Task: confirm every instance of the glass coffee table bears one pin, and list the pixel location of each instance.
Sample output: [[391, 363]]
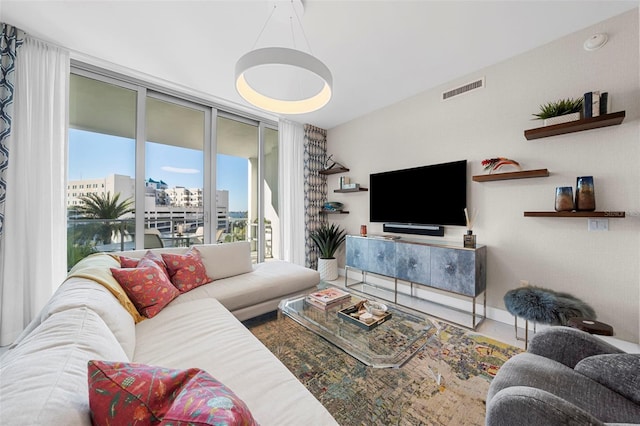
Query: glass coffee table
[[390, 344]]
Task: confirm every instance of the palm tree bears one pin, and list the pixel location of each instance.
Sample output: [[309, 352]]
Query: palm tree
[[104, 206], [99, 206]]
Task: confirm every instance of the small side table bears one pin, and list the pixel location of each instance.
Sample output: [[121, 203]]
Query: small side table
[[590, 326]]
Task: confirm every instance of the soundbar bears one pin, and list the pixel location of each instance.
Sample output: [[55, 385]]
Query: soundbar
[[408, 228]]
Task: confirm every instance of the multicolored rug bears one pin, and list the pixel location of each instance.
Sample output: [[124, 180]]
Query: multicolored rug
[[445, 383]]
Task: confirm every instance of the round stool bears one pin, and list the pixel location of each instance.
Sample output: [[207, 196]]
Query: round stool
[[545, 306], [590, 326]]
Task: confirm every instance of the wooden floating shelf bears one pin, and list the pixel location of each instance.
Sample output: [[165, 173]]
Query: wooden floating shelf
[[333, 171], [512, 175], [576, 126], [351, 190], [334, 211], [607, 214]]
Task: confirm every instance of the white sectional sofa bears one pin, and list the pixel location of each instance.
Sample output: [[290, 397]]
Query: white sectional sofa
[[43, 376]]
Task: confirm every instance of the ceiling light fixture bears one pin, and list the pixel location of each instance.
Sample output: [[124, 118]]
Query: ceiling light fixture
[[311, 97]]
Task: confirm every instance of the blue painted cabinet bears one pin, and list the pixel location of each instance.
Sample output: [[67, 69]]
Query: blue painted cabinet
[[413, 263], [381, 257], [357, 252], [446, 267]]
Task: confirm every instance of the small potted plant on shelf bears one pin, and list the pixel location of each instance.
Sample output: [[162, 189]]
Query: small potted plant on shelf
[[328, 239], [561, 111]]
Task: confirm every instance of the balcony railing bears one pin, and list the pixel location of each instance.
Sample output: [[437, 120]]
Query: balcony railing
[[87, 236]]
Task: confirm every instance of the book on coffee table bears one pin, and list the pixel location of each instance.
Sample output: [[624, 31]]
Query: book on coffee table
[[324, 307], [328, 297]]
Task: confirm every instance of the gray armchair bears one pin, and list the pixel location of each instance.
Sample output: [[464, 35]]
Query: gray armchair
[[566, 377]]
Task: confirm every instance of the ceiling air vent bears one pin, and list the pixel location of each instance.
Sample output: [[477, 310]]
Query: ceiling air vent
[[465, 88]]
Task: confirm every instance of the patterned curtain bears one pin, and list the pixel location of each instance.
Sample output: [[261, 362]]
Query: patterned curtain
[[315, 187], [11, 39]]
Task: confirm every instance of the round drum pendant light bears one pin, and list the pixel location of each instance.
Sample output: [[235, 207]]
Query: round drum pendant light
[[289, 57]]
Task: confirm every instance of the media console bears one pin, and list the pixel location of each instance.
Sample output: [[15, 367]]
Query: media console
[[443, 265]]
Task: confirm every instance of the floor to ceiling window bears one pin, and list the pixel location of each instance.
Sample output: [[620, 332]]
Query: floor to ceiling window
[[101, 167], [151, 170], [174, 172]]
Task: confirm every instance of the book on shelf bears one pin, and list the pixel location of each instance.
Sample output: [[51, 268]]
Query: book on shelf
[[605, 106], [329, 296], [595, 104], [591, 104]]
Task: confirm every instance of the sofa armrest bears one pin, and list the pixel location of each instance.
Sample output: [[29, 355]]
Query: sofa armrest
[[568, 345], [523, 405], [618, 372]]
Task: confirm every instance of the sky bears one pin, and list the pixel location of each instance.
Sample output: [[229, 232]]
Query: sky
[[95, 156]]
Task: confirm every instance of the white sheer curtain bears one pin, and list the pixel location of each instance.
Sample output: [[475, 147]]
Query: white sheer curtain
[[33, 248], [291, 188]]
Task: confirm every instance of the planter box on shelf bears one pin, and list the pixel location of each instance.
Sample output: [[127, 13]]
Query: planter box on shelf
[[574, 116]]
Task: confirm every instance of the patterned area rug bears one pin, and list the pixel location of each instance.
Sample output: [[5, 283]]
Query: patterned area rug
[[445, 383]]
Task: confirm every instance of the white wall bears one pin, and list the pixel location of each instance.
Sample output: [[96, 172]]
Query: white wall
[[602, 268]]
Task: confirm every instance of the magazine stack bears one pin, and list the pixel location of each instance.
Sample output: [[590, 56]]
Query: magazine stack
[[328, 298]]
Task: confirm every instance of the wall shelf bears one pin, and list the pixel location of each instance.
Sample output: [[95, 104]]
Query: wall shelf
[[333, 171], [576, 126], [351, 190], [523, 174], [607, 214], [334, 211]]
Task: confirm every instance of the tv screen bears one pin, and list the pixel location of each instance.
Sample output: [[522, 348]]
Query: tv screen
[[428, 195]]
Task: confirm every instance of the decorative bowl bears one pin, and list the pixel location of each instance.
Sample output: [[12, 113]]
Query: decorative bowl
[[333, 206], [375, 308]]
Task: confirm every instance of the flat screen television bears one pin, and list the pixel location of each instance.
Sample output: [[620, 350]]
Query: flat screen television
[[428, 195]]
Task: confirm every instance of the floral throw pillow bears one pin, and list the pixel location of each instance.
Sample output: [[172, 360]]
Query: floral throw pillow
[[186, 270], [147, 285], [130, 393]]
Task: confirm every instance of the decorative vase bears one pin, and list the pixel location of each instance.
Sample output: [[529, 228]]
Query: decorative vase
[[574, 116], [328, 269], [585, 195], [564, 199]]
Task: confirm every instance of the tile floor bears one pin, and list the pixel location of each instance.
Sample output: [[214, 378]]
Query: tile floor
[[491, 328]]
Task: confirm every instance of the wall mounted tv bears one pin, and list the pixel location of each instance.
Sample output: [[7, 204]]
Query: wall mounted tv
[[428, 195]]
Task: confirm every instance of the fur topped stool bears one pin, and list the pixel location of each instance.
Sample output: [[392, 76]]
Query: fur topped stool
[[541, 305]]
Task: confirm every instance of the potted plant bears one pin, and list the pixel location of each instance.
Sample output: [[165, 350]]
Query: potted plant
[[561, 111], [328, 239]]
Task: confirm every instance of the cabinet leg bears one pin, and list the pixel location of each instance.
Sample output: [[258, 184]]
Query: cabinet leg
[[473, 314], [395, 291]]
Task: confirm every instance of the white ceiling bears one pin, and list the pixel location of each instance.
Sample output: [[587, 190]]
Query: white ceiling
[[379, 52]]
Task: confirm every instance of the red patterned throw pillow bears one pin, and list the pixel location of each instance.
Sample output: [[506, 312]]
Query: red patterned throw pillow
[[131, 262], [129, 393], [186, 270], [147, 285]]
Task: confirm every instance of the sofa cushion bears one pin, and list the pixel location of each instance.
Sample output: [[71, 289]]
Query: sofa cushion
[[96, 267], [147, 285], [620, 372], [270, 280], [81, 292], [121, 392], [44, 378], [226, 260], [219, 344], [186, 271]]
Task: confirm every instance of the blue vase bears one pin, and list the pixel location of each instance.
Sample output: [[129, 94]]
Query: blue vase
[[585, 195]]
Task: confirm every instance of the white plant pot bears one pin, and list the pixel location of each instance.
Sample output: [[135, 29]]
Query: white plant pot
[[561, 119], [328, 269]]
